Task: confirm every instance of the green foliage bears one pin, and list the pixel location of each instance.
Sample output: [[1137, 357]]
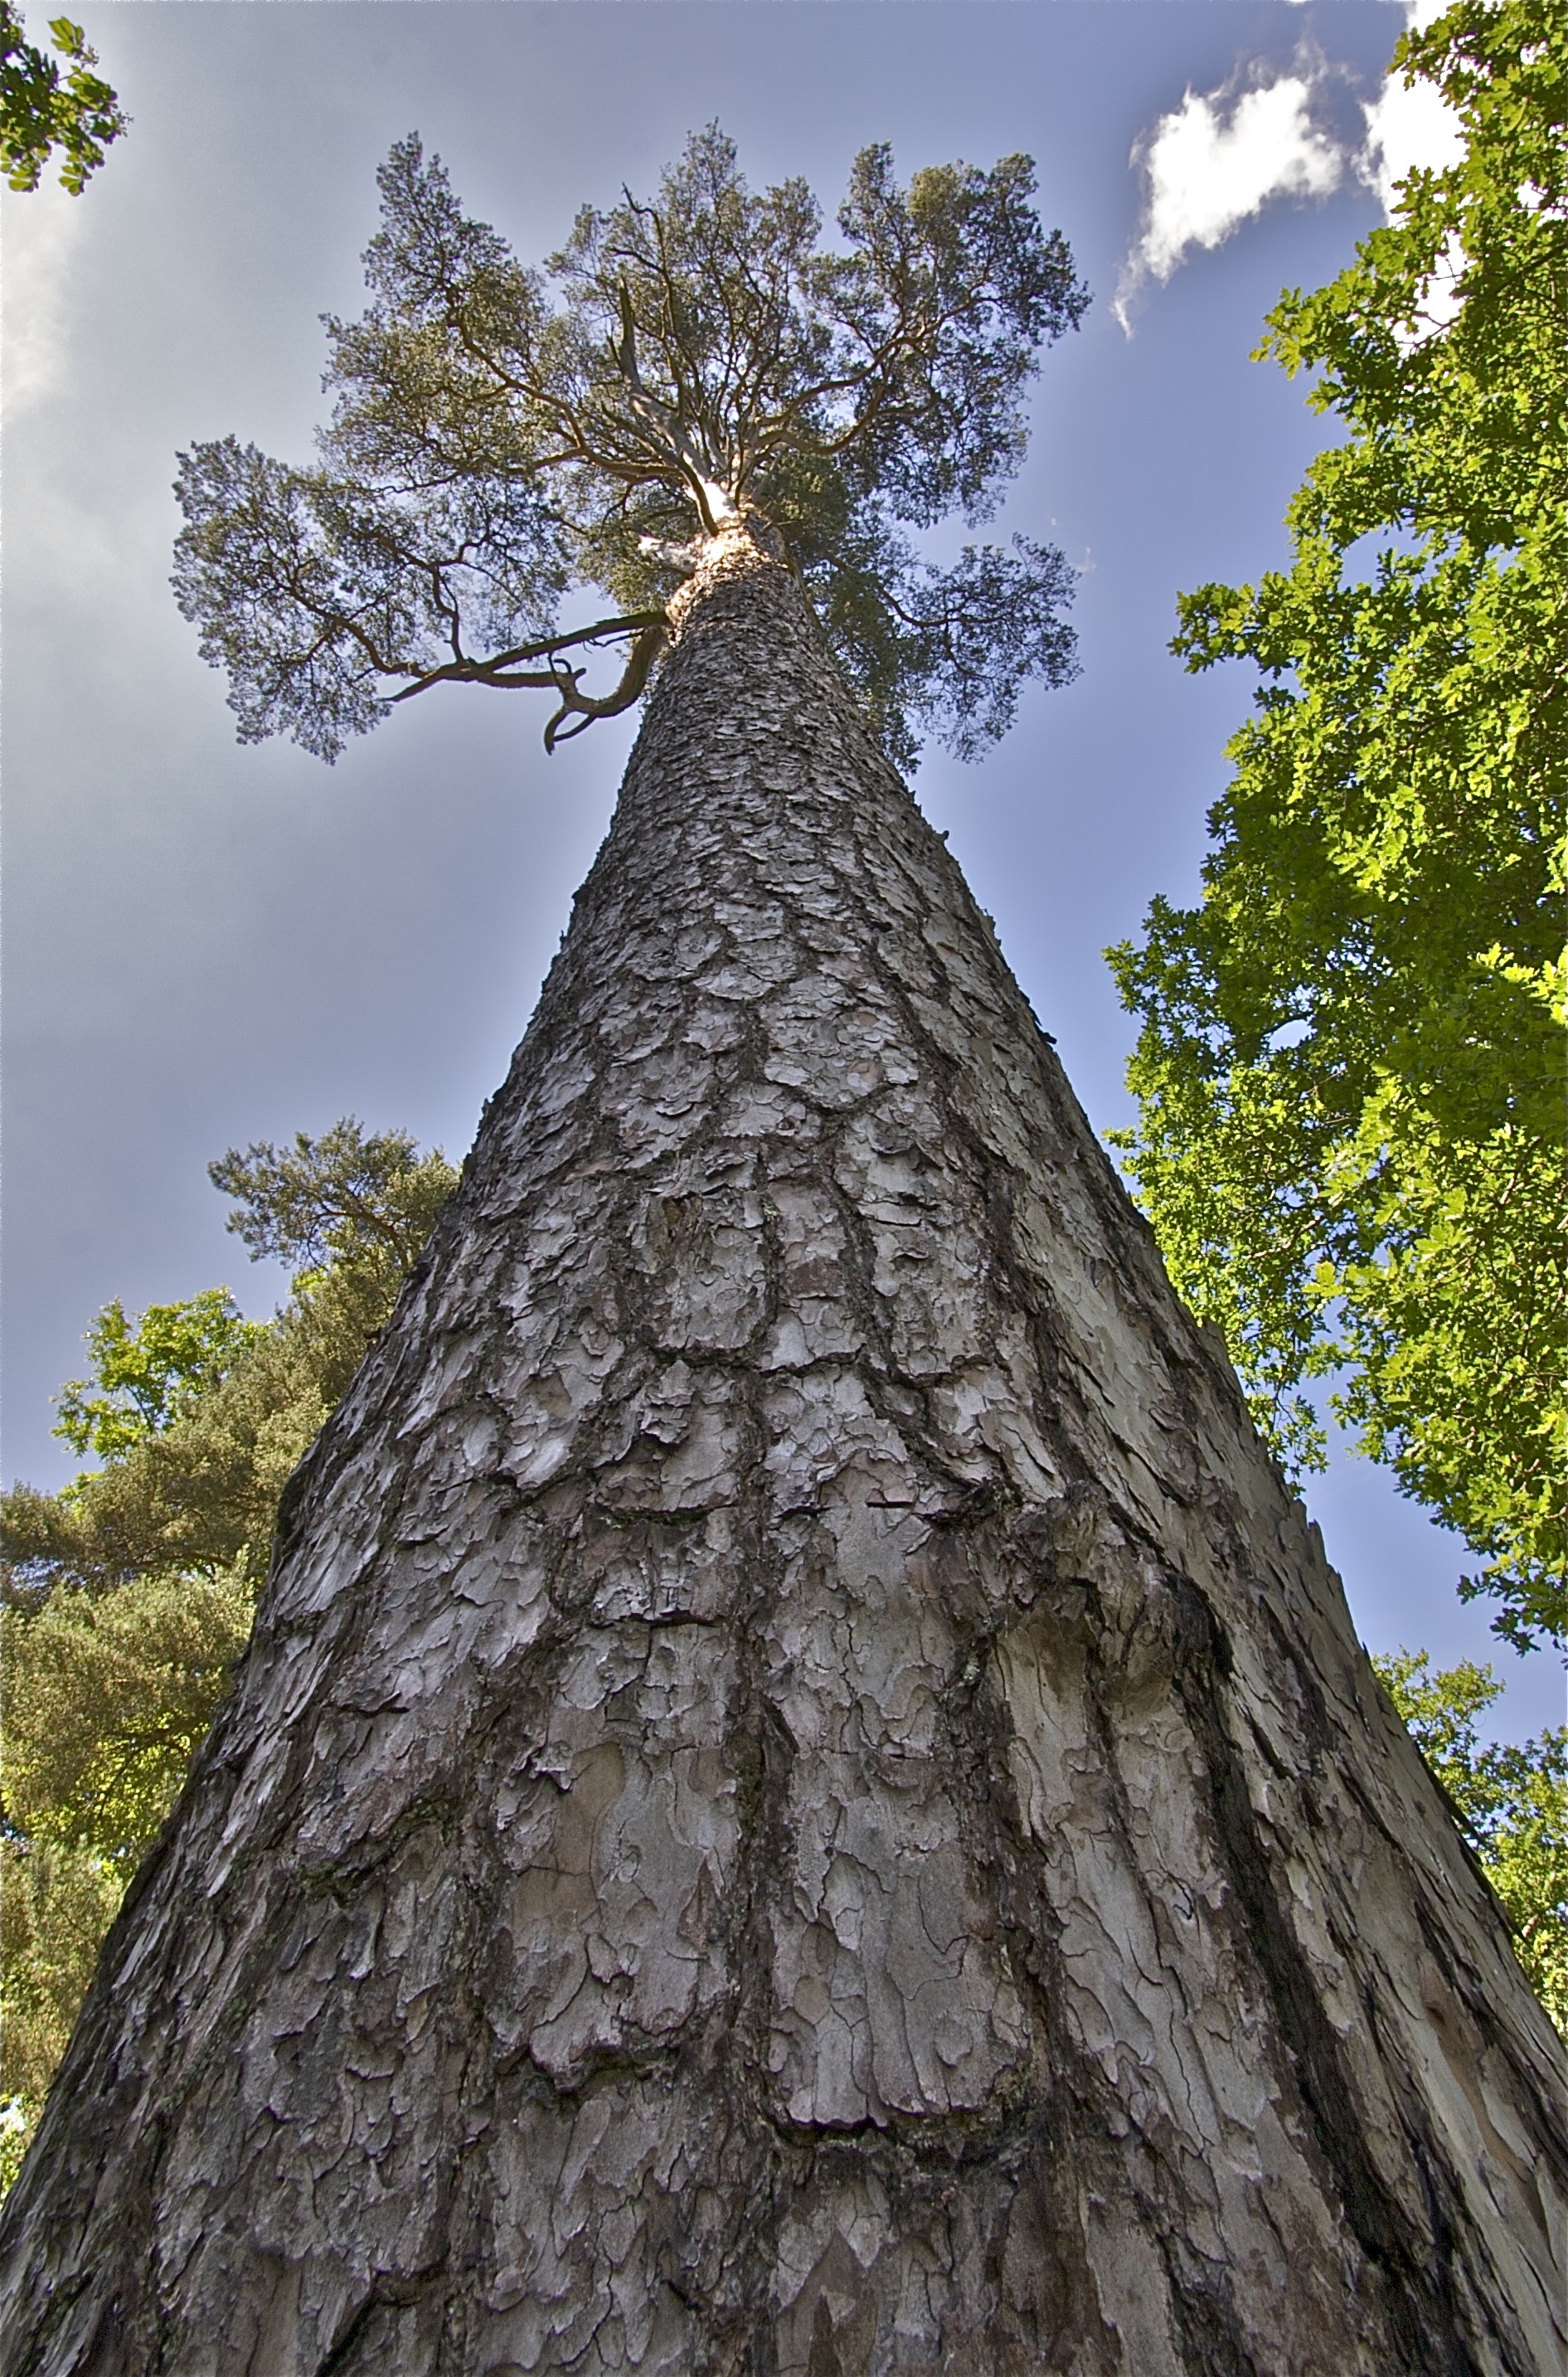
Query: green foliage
[[198, 1498], [40, 114], [1512, 1803], [191, 1490], [18, 2114], [55, 1905], [128, 1597], [344, 1199], [500, 435], [107, 1698], [1350, 1139], [150, 1374]]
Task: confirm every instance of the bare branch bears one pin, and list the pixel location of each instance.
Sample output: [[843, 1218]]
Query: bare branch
[[488, 672], [639, 665]]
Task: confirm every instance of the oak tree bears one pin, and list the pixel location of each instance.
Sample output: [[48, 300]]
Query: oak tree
[[1350, 1075]]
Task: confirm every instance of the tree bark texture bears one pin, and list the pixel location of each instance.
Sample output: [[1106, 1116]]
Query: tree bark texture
[[803, 1801]]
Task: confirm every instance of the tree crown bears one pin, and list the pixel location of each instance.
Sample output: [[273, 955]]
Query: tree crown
[[501, 436], [352, 1197]]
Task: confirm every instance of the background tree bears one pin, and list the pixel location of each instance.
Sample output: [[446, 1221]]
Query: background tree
[[1350, 1139], [128, 1597], [149, 1375], [40, 114], [501, 437]]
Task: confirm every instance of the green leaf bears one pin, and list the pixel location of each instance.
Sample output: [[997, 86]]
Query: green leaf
[[39, 113]]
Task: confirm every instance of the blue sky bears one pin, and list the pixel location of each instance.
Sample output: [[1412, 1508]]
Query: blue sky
[[206, 945]]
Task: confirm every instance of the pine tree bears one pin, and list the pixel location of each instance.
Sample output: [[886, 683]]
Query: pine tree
[[803, 1799]]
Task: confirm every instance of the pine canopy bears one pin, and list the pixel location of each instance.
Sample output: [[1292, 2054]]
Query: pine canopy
[[507, 442]]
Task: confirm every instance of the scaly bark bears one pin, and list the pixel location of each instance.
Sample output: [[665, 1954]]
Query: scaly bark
[[803, 1800]]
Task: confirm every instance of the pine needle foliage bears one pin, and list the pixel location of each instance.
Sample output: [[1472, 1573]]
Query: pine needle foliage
[[504, 438]]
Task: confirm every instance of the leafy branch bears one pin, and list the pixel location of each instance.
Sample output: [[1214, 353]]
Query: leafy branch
[[41, 113]]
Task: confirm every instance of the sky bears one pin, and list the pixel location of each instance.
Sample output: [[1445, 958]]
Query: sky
[[206, 945]]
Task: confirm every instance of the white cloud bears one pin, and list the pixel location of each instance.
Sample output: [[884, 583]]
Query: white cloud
[[42, 231], [1217, 160], [1409, 128]]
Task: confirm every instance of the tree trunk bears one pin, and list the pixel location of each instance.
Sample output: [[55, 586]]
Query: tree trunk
[[803, 1800]]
